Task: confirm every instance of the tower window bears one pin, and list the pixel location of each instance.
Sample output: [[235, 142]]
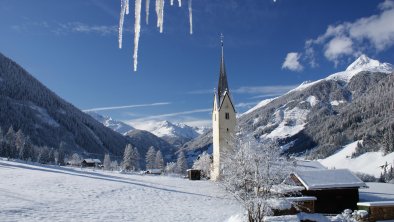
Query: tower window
[[227, 115]]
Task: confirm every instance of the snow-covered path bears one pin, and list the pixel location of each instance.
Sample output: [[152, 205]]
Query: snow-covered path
[[42, 193]]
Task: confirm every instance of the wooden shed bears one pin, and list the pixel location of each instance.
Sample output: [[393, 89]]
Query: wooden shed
[[378, 210], [335, 190], [194, 174], [91, 163]]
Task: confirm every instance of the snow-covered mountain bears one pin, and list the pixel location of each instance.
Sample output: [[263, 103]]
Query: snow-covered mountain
[[174, 133], [318, 118], [115, 125]]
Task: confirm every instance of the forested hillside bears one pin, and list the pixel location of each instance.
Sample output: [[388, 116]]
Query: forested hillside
[[29, 106]]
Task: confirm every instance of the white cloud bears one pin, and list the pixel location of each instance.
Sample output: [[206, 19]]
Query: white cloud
[[338, 47], [125, 107], [373, 33], [292, 62]]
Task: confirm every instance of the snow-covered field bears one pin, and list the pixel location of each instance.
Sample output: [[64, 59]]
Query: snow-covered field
[[368, 163], [51, 193]]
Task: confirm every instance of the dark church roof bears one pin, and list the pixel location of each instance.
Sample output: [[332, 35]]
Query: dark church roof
[[223, 84]]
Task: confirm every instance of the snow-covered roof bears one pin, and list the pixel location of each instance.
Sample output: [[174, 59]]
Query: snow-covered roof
[[376, 203], [307, 165], [92, 160], [299, 199], [324, 179], [285, 188]]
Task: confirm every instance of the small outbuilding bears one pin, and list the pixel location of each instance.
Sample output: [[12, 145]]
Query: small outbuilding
[[91, 163], [335, 190], [194, 174]]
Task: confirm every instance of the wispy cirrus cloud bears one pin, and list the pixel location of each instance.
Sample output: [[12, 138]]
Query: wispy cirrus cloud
[[374, 33], [274, 89], [126, 107], [264, 91], [186, 117], [68, 28]]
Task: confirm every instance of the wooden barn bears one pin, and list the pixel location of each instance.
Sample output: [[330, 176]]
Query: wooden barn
[[91, 163], [335, 190]]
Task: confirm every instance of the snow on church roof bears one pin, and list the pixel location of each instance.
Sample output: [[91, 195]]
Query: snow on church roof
[[323, 179]]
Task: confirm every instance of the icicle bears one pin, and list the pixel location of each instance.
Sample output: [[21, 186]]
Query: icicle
[[161, 15], [190, 17], [137, 29], [127, 7], [147, 3], [123, 8], [157, 7], [180, 3]]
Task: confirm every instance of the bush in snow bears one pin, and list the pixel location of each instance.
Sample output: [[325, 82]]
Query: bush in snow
[[170, 168], [250, 170], [351, 216], [203, 163], [366, 177]]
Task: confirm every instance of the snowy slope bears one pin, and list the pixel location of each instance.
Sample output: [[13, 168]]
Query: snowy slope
[[368, 163], [361, 64], [43, 193], [115, 125], [258, 106]]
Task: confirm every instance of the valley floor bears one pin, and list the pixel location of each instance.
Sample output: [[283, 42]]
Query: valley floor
[[50, 193]]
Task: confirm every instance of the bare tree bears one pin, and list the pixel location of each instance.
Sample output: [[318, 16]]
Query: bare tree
[[250, 170], [203, 163]]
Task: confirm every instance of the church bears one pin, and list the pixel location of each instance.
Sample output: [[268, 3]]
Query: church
[[223, 119]]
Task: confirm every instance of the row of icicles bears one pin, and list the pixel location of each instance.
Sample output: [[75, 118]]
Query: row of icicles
[[124, 10]]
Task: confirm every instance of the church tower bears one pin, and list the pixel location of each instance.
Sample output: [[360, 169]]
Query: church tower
[[223, 119]]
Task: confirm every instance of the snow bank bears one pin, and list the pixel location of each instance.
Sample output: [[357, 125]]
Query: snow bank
[[368, 163]]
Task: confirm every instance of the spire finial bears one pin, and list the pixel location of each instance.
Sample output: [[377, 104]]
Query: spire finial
[[221, 38]]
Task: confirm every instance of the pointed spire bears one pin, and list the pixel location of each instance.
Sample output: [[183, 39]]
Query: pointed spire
[[223, 85]]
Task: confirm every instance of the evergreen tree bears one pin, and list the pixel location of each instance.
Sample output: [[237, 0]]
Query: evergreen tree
[[159, 161], [20, 141], [43, 155], [150, 158], [181, 164], [10, 149], [127, 163], [137, 158], [114, 165], [107, 162], [60, 154]]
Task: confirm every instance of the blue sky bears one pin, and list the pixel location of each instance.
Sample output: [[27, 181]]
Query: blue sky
[[270, 48]]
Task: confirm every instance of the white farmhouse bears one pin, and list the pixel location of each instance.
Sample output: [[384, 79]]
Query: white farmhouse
[[223, 119]]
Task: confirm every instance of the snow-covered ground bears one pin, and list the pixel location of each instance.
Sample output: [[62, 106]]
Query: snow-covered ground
[[51, 193], [368, 163]]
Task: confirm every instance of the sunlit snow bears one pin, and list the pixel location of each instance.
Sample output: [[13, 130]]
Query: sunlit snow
[[51, 193]]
